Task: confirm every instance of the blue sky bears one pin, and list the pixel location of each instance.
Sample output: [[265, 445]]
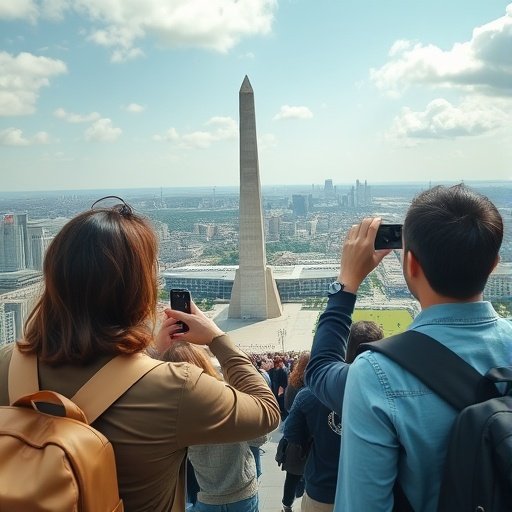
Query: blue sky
[[132, 93]]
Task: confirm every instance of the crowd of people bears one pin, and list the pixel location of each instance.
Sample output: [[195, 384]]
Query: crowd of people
[[365, 423]]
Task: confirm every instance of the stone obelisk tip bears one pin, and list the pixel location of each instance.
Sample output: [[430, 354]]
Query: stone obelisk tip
[[246, 85]]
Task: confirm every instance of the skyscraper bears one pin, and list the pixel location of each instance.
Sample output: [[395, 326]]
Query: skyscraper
[[15, 253], [254, 293]]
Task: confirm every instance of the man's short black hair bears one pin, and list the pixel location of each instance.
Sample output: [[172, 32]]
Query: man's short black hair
[[455, 233]]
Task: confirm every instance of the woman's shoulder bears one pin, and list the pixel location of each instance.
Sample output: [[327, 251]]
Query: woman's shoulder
[[5, 359]]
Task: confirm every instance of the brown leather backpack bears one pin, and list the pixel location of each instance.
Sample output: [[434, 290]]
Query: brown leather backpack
[[51, 463]]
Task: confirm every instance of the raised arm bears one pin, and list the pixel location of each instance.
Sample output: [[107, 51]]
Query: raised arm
[[326, 373]]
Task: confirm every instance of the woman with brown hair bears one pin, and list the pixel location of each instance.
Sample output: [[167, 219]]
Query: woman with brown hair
[[99, 301]]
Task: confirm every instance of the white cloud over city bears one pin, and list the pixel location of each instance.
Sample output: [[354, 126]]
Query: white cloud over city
[[15, 137], [102, 130], [121, 26], [220, 128], [288, 112], [478, 70], [21, 78], [442, 120], [483, 64], [71, 117]]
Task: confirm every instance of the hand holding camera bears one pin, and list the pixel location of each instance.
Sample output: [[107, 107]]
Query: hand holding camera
[[359, 255]]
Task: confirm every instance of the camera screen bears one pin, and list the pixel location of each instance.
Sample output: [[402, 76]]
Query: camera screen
[[389, 236]]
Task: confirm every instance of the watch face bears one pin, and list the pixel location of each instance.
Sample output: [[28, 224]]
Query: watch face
[[335, 287]]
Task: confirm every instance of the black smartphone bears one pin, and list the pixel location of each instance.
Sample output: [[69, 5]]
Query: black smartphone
[[389, 236], [180, 300]]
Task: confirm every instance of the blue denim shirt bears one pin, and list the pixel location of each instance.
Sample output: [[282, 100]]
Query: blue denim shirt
[[394, 426]]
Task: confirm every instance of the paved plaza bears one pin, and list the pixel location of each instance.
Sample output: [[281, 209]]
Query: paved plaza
[[291, 331]]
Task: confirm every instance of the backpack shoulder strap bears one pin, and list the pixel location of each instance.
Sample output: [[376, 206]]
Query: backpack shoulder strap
[[22, 376], [108, 384], [111, 381], [438, 367]]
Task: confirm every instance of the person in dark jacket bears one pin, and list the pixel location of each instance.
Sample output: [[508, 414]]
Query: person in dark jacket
[[310, 419], [279, 381], [293, 484]]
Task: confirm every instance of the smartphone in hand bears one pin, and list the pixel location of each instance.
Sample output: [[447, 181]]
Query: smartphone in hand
[[389, 236], [180, 300]]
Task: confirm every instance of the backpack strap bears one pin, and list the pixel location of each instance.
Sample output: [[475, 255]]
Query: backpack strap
[[108, 384], [23, 376], [438, 367], [111, 381]]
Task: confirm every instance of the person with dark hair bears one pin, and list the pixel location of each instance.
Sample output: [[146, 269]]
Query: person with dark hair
[[279, 380], [364, 331], [99, 301], [263, 372], [395, 429]]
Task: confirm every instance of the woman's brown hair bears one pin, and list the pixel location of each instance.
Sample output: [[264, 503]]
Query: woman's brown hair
[[296, 378], [184, 352], [100, 289]]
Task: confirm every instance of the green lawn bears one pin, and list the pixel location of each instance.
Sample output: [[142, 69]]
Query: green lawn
[[393, 321]]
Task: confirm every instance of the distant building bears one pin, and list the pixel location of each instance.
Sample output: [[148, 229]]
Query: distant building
[[329, 190], [40, 239], [15, 251], [7, 326], [293, 282], [300, 204], [274, 223]]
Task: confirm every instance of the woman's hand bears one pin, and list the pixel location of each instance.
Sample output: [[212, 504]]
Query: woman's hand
[[201, 329]]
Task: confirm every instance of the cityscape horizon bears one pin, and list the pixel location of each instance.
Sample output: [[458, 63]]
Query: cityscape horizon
[[266, 187], [198, 234]]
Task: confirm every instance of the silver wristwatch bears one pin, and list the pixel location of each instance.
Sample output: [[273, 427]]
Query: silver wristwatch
[[335, 287]]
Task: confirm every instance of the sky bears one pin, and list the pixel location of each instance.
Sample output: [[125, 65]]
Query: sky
[[98, 94]]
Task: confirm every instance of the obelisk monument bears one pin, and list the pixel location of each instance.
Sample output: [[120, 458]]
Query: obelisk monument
[[254, 293]]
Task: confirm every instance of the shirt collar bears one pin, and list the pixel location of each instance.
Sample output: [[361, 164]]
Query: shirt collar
[[458, 312]]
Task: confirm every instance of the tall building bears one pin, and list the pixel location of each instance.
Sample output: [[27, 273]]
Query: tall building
[[300, 204], [254, 293], [15, 253], [39, 241], [7, 326]]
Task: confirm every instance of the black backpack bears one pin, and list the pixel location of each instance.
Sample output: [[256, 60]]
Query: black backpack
[[477, 473]]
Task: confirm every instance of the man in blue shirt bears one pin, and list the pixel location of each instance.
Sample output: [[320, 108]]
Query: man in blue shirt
[[394, 427]]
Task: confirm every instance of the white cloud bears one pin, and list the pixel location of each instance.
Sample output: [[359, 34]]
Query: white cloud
[[121, 25], [55, 9], [288, 112], [222, 128], [135, 108], [15, 137], [442, 120], [70, 117], [102, 131], [18, 9], [214, 24], [31, 10], [482, 64], [21, 78]]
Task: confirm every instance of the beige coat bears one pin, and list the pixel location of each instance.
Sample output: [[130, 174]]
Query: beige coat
[[173, 406]]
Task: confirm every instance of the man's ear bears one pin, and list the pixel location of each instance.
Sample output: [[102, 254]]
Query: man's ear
[[495, 264], [412, 266]]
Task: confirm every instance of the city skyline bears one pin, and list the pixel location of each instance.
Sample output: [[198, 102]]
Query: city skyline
[[101, 94]]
